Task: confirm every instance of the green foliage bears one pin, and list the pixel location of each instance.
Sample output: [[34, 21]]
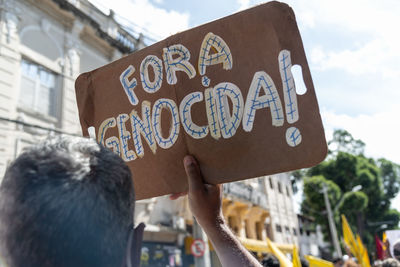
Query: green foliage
[[313, 202], [343, 141], [346, 167], [352, 204], [390, 173], [313, 192]]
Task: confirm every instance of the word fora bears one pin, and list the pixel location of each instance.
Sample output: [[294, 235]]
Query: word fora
[[221, 120]]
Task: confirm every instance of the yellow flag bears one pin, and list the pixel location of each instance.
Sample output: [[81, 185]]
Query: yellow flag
[[349, 237], [317, 262], [363, 253], [360, 247], [366, 259], [296, 259], [384, 239], [284, 262]]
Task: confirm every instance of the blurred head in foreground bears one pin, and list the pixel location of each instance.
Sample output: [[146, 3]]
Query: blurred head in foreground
[[270, 261], [390, 262], [396, 250], [66, 202]]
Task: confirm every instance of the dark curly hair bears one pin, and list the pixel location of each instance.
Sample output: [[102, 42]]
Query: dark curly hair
[[66, 202]]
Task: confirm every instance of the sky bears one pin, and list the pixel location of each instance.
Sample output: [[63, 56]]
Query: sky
[[352, 47]]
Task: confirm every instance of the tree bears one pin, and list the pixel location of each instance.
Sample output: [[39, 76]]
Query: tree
[[313, 201], [343, 141], [346, 167], [390, 173]]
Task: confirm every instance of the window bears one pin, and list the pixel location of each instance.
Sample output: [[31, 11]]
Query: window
[[279, 187], [287, 191], [294, 231], [246, 228], [259, 230], [268, 228], [38, 88], [278, 228], [271, 185]]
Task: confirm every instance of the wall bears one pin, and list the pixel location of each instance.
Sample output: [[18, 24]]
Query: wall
[[49, 34]]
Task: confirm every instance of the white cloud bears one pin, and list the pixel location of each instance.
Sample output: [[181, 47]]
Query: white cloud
[[376, 21], [375, 57], [379, 131], [159, 22], [379, 17], [243, 4]]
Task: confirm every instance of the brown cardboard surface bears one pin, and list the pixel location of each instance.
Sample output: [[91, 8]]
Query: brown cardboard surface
[[255, 39]]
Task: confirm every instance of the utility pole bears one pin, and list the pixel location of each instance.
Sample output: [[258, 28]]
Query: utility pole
[[332, 225], [198, 233]]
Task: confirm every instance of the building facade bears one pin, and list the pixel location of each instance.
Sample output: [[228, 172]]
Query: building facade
[[311, 239], [44, 46], [309, 236], [255, 209], [283, 224]]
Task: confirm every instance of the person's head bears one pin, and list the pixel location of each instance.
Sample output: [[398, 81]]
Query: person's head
[[270, 261], [304, 262], [338, 262], [66, 202], [390, 262], [396, 250]]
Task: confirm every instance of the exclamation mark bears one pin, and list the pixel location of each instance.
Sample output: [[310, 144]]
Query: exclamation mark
[[293, 135]]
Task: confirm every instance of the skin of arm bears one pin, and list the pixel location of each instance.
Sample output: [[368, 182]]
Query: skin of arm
[[205, 201]]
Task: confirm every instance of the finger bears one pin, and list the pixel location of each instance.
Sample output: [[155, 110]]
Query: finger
[[192, 170], [213, 189], [177, 195]]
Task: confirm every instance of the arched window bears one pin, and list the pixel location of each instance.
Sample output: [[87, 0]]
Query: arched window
[[38, 91], [40, 86]]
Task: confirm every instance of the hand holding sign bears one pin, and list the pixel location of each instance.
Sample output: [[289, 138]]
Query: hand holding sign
[[223, 92], [205, 200]]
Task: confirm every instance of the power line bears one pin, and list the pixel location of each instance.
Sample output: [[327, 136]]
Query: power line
[[55, 130]]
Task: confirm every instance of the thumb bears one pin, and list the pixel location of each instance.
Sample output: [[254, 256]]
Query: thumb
[[192, 170]]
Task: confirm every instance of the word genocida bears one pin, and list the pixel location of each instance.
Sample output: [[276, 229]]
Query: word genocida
[[222, 122]]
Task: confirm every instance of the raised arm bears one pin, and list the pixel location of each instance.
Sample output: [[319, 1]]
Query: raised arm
[[205, 201]]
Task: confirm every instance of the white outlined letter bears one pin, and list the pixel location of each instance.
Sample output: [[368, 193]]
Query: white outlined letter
[[129, 85], [195, 131], [181, 63], [142, 127], [158, 106], [156, 64], [228, 123], [254, 101], [223, 53]]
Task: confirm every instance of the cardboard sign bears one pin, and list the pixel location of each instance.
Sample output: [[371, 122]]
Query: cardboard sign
[[223, 92]]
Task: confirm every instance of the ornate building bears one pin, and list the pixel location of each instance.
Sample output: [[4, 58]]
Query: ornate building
[[255, 210], [44, 46]]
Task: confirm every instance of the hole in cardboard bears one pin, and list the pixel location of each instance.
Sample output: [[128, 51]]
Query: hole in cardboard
[[297, 73]]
